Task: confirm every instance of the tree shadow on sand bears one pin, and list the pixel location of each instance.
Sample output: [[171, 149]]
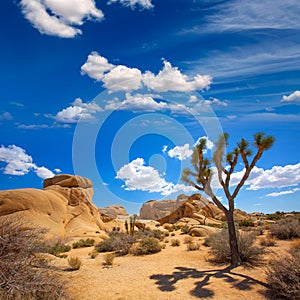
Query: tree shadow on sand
[[166, 283]]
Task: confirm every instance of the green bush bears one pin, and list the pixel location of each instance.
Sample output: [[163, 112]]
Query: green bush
[[83, 243], [185, 229], [148, 245], [58, 248], [286, 229], [220, 248], [246, 223], [283, 276], [105, 245]]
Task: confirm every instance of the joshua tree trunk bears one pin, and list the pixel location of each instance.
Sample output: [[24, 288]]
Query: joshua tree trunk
[[235, 257]]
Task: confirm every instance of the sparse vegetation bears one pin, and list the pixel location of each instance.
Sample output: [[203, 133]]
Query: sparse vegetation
[[109, 259], [58, 248], [246, 223], [267, 241], [24, 271], [283, 276], [175, 243], [83, 243], [192, 246], [185, 229], [188, 239], [148, 245], [286, 229], [74, 263], [220, 249]]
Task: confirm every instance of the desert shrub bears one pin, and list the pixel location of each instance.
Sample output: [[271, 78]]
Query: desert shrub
[[220, 248], [295, 247], [267, 241], [283, 276], [167, 233], [109, 259], [187, 240], [120, 242], [58, 248], [148, 245], [185, 229], [246, 223], [166, 241], [286, 229], [176, 227], [93, 254], [147, 232], [173, 234], [175, 243], [83, 243], [192, 246], [24, 271], [74, 263], [275, 217]]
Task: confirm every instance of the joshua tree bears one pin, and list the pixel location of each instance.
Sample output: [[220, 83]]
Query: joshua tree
[[201, 176]]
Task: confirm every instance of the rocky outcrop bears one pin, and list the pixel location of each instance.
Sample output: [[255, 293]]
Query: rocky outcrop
[[195, 207], [157, 209], [64, 206], [112, 212]]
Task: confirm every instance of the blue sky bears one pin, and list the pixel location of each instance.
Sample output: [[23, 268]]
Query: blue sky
[[120, 91]]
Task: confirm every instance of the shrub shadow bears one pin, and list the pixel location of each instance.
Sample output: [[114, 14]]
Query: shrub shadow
[[166, 282]]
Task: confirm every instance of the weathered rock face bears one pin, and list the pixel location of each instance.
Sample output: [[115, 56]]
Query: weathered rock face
[[112, 212], [64, 206], [196, 207], [157, 209]]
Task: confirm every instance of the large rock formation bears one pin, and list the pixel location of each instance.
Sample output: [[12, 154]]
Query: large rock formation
[[112, 212], [64, 206], [196, 207], [157, 209]]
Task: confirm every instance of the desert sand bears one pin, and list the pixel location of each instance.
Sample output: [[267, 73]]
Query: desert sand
[[173, 273]]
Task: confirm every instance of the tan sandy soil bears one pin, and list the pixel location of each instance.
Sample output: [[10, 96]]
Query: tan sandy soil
[[174, 273]]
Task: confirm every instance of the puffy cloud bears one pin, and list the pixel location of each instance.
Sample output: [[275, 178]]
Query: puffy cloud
[[6, 116], [137, 176], [78, 111], [146, 4], [19, 163], [135, 103], [95, 66], [57, 170], [278, 194], [122, 78], [171, 79], [292, 98], [277, 177], [181, 152], [59, 18]]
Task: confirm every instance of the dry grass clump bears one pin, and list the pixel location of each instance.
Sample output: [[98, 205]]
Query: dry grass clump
[[175, 243], [267, 241], [109, 259], [187, 240], [148, 245], [250, 254], [283, 276], [286, 229], [192, 246], [74, 263], [24, 273]]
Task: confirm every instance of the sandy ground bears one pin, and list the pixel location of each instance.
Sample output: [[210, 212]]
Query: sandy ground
[[174, 273]]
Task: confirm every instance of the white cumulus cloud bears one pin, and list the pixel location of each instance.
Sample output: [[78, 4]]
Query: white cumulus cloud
[[123, 78], [137, 176], [171, 79], [292, 98], [60, 18], [276, 177], [180, 152], [77, 111], [136, 103], [144, 4], [19, 163]]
